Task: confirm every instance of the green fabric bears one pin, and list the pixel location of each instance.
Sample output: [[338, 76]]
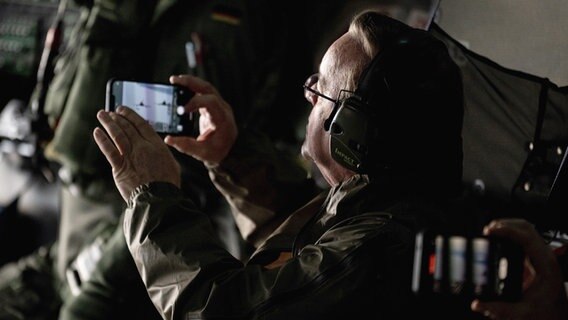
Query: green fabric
[[114, 291], [352, 260], [244, 56], [255, 164], [29, 287], [109, 47], [240, 57], [65, 69]]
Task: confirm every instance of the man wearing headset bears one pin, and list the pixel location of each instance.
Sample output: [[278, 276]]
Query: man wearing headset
[[385, 132]]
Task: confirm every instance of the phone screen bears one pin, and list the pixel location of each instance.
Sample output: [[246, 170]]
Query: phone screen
[[162, 105]]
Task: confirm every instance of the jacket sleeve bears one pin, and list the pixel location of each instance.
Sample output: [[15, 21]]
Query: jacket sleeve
[[261, 184], [188, 274]]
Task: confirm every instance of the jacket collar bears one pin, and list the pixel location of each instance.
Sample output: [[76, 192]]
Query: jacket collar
[[342, 195], [313, 218]]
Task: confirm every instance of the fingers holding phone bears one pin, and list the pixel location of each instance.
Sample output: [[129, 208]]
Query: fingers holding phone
[[133, 140], [217, 126], [135, 151], [544, 296]]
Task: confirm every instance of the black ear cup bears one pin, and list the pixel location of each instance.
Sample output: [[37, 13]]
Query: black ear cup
[[354, 122], [348, 130]]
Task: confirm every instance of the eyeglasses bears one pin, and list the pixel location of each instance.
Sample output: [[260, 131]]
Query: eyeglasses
[[309, 91]]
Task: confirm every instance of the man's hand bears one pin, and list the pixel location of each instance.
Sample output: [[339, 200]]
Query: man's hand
[[217, 127], [135, 151], [544, 296]]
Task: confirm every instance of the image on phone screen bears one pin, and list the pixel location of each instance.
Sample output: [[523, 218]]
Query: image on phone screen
[[160, 104]]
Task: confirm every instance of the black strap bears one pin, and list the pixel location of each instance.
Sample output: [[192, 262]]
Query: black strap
[[542, 102]]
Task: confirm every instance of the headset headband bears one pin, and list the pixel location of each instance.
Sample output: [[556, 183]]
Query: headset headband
[[352, 123]]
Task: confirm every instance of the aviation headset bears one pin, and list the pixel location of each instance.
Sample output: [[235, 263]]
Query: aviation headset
[[354, 122]]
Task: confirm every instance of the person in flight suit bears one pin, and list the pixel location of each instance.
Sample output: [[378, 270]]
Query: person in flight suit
[[229, 41], [385, 92]]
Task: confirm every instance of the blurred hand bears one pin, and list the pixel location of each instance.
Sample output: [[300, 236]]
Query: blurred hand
[[545, 296], [135, 151], [217, 127]]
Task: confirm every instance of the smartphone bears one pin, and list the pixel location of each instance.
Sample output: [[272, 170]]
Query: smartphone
[[488, 268], [161, 104]]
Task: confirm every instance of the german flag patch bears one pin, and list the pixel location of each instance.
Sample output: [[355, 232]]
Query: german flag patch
[[227, 15]]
